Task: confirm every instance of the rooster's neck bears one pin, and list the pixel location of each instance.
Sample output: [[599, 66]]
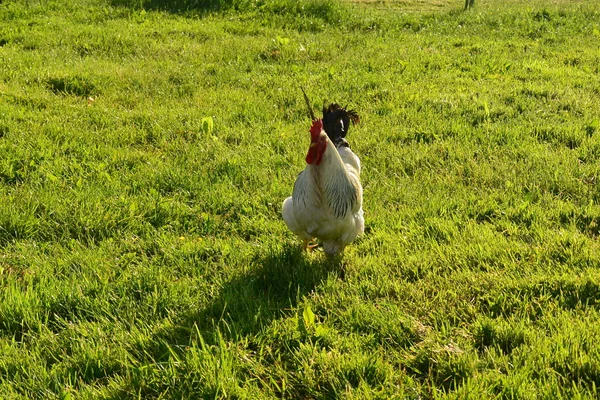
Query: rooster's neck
[[335, 183]]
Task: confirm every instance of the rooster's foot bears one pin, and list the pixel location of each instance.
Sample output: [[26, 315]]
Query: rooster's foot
[[309, 245]]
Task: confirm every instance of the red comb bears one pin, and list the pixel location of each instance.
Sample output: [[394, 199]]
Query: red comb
[[316, 127]]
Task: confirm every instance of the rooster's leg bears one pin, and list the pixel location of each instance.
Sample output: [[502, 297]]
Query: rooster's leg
[[308, 246]]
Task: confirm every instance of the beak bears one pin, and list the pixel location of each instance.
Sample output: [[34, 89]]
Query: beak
[[313, 144]]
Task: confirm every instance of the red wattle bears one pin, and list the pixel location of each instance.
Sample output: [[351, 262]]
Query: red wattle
[[311, 156], [315, 154]]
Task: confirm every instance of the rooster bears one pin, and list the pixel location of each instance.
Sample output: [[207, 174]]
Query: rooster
[[326, 202]]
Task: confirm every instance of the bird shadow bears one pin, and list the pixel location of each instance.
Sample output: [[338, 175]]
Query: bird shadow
[[272, 286]]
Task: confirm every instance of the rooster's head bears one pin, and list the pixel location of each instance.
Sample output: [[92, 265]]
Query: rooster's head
[[318, 143]]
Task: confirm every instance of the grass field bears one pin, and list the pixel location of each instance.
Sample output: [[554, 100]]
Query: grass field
[[145, 152]]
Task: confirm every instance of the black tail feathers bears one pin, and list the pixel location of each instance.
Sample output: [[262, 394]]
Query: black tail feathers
[[336, 121]]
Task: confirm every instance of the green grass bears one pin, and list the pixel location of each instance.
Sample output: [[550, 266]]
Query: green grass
[[145, 151]]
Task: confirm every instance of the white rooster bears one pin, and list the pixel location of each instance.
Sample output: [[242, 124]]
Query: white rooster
[[326, 202]]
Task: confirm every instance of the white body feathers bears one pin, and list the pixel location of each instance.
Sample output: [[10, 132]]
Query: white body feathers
[[326, 202]]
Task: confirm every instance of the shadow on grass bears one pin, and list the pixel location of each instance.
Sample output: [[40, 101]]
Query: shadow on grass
[[178, 6], [274, 283], [324, 10]]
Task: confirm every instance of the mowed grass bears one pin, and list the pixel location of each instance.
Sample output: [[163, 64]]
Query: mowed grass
[[145, 151]]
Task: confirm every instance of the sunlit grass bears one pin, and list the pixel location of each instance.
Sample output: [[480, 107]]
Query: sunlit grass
[[145, 151]]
